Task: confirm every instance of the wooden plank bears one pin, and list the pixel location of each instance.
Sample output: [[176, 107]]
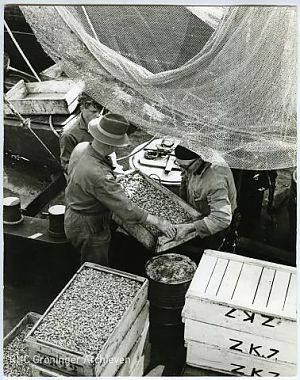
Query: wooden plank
[[135, 354], [240, 342], [116, 353], [263, 290], [290, 306], [202, 276], [278, 293], [39, 371], [229, 281], [216, 277], [53, 86], [19, 90], [231, 317], [210, 357], [247, 284]]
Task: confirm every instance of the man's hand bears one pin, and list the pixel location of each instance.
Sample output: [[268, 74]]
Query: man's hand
[[167, 228], [163, 225], [183, 230]]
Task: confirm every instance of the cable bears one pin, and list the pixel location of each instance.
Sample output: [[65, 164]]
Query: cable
[[52, 127], [133, 153]]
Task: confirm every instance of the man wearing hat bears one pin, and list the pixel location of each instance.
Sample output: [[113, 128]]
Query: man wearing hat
[[210, 189], [92, 192], [77, 131]]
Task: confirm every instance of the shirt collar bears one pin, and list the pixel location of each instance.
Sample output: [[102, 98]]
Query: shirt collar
[[104, 159], [82, 123], [198, 167]]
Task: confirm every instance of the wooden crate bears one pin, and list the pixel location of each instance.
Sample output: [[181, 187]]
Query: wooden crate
[[214, 358], [30, 318], [74, 363], [135, 354], [242, 311], [144, 235], [40, 371], [49, 97]]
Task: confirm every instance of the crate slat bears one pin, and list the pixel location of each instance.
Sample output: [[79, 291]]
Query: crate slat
[[247, 285], [264, 289], [290, 306], [235, 364], [202, 276], [230, 279], [217, 277], [278, 292]]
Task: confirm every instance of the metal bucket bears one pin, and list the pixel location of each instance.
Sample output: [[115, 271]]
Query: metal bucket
[[169, 278]]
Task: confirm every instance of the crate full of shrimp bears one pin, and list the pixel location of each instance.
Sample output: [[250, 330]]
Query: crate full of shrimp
[[156, 199], [15, 353], [92, 325]]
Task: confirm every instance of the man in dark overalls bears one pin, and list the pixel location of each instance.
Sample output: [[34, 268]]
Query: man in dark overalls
[[93, 193]]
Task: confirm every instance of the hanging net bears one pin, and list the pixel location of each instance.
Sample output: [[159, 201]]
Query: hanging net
[[228, 92]]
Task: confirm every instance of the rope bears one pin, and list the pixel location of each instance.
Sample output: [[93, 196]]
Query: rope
[[52, 127], [21, 51], [27, 123], [90, 23], [135, 152]]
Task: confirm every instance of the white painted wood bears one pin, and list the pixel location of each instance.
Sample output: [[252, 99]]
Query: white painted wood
[[247, 284], [230, 280], [238, 319], [240, 342], [264, 289], [278, 292], [210, 357], [202, 276], [290, 306], [216, 277], [243, 259]]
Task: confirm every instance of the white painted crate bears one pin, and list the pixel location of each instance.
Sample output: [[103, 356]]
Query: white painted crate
[[241, 307], [214, 358], [244, 294]]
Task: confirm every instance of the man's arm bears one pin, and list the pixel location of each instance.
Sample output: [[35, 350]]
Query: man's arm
[[67, 143]]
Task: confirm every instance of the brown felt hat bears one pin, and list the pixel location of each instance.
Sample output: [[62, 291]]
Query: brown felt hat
[[110, 129]]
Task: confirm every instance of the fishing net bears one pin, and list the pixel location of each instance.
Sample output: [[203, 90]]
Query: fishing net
[[228, 92]]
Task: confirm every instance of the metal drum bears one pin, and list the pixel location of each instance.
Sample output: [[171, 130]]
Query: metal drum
[[169, 278]]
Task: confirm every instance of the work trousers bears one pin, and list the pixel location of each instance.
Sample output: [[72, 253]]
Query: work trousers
[[89, 234]]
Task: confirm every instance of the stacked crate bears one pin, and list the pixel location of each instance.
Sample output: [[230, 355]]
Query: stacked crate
[[15, 354], [97, 326], [240, 316]]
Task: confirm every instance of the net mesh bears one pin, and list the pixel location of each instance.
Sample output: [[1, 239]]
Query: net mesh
[[228, 92]]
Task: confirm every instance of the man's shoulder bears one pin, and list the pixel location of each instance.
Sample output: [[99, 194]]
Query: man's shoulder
[[71, 126]]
